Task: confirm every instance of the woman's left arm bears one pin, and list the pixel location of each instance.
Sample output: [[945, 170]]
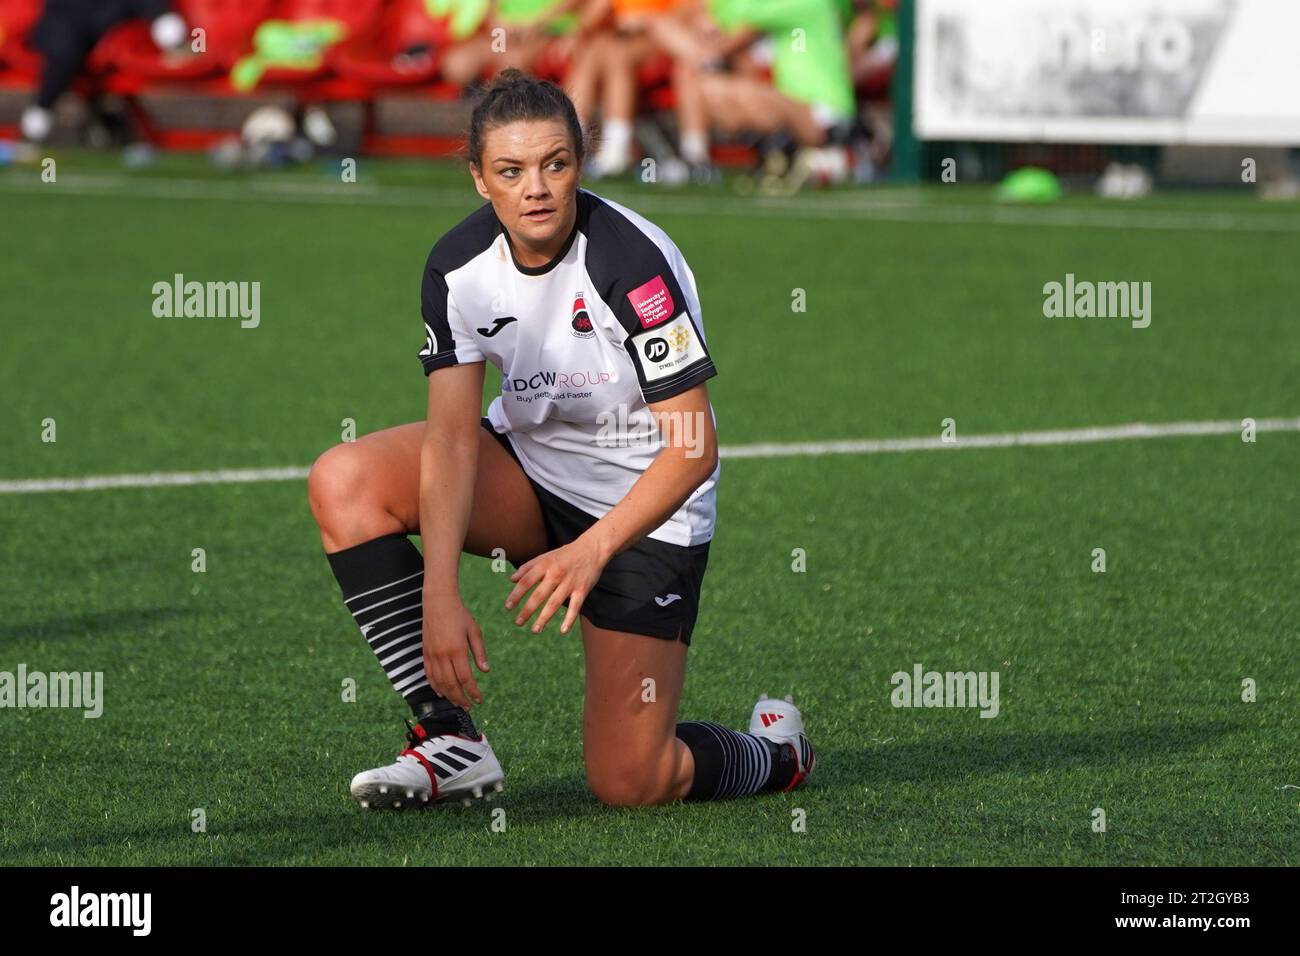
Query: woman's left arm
[[688, 454]]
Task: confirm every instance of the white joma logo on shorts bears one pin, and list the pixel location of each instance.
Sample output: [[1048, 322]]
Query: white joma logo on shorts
[[667, 599]]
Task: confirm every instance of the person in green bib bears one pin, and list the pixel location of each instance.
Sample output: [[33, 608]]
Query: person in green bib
[[811, 93], [805, 113]]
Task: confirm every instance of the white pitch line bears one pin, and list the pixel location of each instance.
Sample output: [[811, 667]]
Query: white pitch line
[[153, 479], [1068, 436]]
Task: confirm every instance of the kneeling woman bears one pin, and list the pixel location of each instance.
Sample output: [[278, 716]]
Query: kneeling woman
[[594, 473]]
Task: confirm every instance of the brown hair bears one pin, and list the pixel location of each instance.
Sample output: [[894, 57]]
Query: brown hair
[[514, 96]]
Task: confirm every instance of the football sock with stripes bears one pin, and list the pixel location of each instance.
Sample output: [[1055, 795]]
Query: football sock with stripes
[[729, 763], [382, 582]]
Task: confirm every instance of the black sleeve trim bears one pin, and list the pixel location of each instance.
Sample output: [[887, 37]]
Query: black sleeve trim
[[438, 340], [466, 240], [442, 360], [621, 259], [635, 278], [687, 380]]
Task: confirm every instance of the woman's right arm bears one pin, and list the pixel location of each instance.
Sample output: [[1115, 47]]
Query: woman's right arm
[[448, 465]]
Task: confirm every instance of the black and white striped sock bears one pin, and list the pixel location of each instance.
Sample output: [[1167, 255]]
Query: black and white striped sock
[[381, 581], [729, 763]]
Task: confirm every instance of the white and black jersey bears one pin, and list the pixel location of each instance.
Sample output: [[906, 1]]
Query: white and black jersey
[[584, 344]]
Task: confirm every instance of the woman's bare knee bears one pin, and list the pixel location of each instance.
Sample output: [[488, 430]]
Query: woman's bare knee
[[342, 501], [620, 790], [632, 781]]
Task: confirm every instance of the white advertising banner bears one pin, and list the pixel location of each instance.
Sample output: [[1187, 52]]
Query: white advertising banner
[[1114, 71]]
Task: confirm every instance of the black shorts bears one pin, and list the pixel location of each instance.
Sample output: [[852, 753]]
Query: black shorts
[[652, 588]]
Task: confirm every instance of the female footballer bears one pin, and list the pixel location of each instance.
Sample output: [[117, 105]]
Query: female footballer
[[594, 473]]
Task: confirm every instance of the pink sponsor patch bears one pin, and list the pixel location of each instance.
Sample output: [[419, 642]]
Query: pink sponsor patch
[[652, 302]]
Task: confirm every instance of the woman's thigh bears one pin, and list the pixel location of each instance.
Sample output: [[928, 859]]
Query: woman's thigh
[[364, 489], [629, 721]]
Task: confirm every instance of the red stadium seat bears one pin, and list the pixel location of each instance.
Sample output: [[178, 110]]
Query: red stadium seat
[[654, 83], [656, 70], [17, 17], [875, 86], [552, 65], [358, 17], [373, 57], [228, 26]]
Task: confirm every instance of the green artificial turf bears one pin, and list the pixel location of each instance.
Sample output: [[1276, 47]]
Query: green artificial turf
[[1119, 691]]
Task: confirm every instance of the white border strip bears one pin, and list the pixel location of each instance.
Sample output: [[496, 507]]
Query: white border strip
[[1069, 436]]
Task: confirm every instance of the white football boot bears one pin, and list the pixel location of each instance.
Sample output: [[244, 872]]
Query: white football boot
[[433, 768], [780, 722]]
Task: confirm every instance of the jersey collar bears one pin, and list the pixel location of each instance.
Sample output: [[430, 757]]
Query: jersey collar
[[557, 258]]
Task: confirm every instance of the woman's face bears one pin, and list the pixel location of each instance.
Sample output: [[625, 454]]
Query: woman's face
[[529, 173]]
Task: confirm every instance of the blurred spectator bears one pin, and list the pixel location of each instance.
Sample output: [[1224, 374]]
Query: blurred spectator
[[778, 73], [807, 112], [66, 33], [528, 33], [640, 34]]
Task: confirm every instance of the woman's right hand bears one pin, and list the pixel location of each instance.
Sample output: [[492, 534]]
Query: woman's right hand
[[449, 629]]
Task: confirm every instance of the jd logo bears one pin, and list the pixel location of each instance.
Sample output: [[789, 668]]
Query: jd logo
[[498, 325], [656, 350]]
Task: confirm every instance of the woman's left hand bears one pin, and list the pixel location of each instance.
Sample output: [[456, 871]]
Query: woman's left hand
[[568, 572]]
